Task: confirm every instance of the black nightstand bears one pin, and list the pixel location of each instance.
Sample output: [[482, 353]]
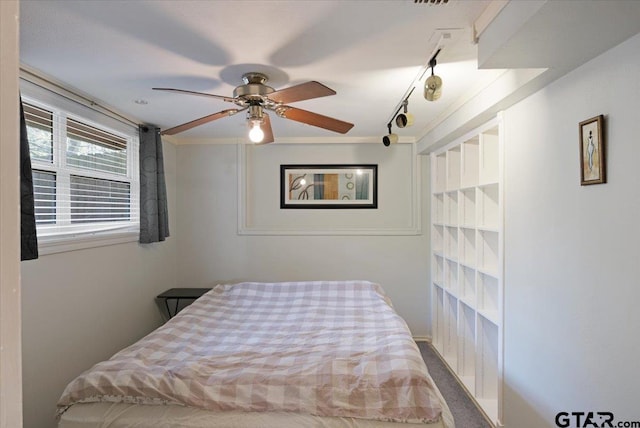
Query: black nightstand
[[178, 294]]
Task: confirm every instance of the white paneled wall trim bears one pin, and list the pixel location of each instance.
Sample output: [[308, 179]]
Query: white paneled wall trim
[[400, 177]]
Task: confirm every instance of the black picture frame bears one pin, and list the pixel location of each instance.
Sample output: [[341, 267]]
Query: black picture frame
[[341, 186]]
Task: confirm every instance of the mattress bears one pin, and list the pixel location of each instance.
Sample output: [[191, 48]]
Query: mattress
[[120, 415], [256, 354]]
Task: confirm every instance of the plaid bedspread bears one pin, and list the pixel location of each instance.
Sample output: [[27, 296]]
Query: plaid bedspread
[[321, 348]]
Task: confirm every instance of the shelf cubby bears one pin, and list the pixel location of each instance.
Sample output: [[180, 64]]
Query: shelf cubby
[[453, 168], [469, 162], [488, 206], [440, 176], [487, 364], [450, 337], [488, 251], [467, 246], [468, 284], [451, 275], [438, 208], [468, 207], [451, 242], [438, 322], [489, 171], [488, 296], [438, 269], [437, 239], [467, 353], [451, 208]]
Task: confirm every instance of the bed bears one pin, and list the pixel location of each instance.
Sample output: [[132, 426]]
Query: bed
[[291, 354]]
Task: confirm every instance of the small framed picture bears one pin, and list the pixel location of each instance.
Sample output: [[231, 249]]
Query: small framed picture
[[592, 152]]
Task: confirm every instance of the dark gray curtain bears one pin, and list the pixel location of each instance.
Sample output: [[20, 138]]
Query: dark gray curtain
[[28, 239], [154, 215]]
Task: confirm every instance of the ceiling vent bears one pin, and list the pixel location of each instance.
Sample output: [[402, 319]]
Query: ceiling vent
[[431, 1]]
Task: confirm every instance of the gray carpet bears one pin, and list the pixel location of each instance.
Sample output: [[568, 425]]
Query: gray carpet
[[465, 413]]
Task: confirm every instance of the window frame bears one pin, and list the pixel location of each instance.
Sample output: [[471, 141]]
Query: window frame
[[66, 237]]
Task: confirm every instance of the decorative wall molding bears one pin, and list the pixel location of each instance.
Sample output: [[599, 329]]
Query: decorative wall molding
[[246, 228]]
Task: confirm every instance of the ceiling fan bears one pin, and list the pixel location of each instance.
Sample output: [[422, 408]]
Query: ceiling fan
[[255, 97]]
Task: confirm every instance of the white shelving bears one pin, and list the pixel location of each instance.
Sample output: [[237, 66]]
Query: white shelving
[[467, 262]]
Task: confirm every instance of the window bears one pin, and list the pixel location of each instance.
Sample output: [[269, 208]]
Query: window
[[85, 175]]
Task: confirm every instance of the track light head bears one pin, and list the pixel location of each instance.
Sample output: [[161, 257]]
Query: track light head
[[387, 140], [404, 119], [391, 138], [433, 84], [432, 88]]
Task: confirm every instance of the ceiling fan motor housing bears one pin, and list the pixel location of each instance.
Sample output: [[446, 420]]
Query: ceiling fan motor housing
[[254, 87]]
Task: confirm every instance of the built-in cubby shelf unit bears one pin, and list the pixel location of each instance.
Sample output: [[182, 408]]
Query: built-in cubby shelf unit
[[467, 262]]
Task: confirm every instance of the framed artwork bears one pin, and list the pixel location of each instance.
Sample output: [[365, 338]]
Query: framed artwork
[[592, 152], [328, 186]]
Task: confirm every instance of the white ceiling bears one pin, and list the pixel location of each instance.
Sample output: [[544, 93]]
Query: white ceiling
[[369, 52]]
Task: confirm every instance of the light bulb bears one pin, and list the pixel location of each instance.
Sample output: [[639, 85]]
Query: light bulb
[[256, 134]]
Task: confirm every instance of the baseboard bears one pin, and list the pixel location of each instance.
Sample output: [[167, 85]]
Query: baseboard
[[422, 339]]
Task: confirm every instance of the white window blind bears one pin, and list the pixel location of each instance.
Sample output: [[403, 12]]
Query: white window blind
[[85, 175]]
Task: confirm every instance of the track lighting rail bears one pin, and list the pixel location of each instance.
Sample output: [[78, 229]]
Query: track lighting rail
[[391, 137]]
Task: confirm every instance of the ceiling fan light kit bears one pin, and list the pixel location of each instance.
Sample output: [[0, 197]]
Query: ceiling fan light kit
[[256, 134], [255, 121], [256, 97]]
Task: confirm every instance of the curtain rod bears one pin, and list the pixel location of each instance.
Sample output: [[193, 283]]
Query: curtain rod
[[60, 89]]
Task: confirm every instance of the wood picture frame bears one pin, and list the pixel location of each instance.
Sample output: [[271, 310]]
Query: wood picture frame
[[329, 186], [592, 151]]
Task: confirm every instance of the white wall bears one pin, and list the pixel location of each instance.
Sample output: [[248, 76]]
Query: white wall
[[10, 328], [211, 251], [572, 265], [80, 307]]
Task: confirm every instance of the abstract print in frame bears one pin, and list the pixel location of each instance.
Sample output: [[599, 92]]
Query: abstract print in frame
[[328, 186], [592, 152]]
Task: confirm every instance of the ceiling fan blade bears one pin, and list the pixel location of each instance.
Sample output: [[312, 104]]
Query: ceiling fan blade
[[316, 119], [203, 94], [198, 122], [304, 91], [266, 128]]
